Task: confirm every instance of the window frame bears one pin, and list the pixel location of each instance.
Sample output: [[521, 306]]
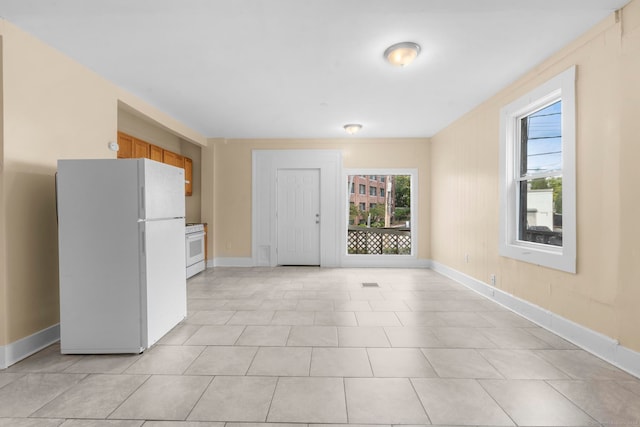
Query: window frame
[[560, 87], [392, 260]]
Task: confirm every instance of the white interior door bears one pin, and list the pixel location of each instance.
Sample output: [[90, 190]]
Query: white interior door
[[298, 216]]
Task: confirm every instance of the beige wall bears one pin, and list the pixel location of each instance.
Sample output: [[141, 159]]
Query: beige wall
[[232, 181], [604, 293], [52, 108]]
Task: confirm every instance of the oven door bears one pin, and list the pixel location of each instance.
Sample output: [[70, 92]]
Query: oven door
[[195, 248]]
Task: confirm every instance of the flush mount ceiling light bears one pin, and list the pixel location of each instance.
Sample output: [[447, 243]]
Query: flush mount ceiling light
[[402, 54], [352, 128]]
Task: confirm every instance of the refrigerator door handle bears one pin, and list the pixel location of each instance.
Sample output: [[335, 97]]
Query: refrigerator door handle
[[143, 242], [142, 202]]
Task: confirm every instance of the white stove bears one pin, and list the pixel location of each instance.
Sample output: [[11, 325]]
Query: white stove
[[195, 235]]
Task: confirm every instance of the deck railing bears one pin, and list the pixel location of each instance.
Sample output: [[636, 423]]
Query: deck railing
[[362, 240]]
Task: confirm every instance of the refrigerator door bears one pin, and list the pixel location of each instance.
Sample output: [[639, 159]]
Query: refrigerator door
[[162, 191], [165, 284], [99, 266]]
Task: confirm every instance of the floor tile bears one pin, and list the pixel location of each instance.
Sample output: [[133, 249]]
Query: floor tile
[[464, 319], [279, 305], [552, 339], [30, 392], [335, 318], [535, 403], [309, 400], [183, 424], [412, 336], [514, 338], [315, 305], [581, 365], [264, 335], [293, 318], [8, 377], [421, 318], [606, 401], [221, 360], [257, 317], [371, 336], [340, 362], [399, 362], [165, 359], [281, 361], [316, 336], [383, 400], [522, 365], [235, 399], [105, 423], [179, 335], [459, 402], [394, 305], [163, 397], [352, 306], [377, 318], [507, 319], [215, 335], [48, 360], [460, 363], [458, 337], [94, 397], [210, 317], [34, 422]]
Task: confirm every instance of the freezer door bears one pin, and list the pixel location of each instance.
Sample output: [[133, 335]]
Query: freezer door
[[162, 190], [165, 284]]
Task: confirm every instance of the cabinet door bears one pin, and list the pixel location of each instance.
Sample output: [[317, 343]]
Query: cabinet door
[[140, 149], [188, 176], [173, 159], [125, 142], [155, 153]]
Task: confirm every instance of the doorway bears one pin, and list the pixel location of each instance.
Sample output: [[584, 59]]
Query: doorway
[[298, 216], [266, 164]]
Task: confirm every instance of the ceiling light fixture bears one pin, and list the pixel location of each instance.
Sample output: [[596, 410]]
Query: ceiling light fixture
[[402, 54], [352, 128]]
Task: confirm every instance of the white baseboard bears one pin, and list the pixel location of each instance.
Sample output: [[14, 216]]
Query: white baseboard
[[599, 344], [25, 347]]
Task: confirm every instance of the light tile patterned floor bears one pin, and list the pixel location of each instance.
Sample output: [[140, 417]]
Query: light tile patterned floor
[[311, 346]]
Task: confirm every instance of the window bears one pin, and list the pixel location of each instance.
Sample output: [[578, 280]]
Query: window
[[373, 191], [537, 175], [363, 207], [362, 189], [353, 188]]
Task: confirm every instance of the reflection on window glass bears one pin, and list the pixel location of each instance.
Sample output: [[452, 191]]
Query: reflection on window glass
[[380, 215]]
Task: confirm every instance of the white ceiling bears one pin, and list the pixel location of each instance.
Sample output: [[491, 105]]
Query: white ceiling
[[304, 68]]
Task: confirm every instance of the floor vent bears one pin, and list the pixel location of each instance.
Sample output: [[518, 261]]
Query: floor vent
[[370, 285]]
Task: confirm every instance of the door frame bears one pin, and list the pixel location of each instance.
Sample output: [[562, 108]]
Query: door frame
[[265, 165]]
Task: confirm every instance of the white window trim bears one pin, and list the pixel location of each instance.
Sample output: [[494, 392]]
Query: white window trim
[[383, 260], [561, 258]]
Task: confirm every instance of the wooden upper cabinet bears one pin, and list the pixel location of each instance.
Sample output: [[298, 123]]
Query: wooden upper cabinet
[[173, 159], [125, 143], [188, 176], [140, 149], [155, 153], [134, 148]]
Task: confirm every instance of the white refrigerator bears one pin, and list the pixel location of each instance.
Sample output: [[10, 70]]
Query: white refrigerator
[[121, 242]]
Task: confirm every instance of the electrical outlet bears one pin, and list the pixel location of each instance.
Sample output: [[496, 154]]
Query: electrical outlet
[[492, 279]]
